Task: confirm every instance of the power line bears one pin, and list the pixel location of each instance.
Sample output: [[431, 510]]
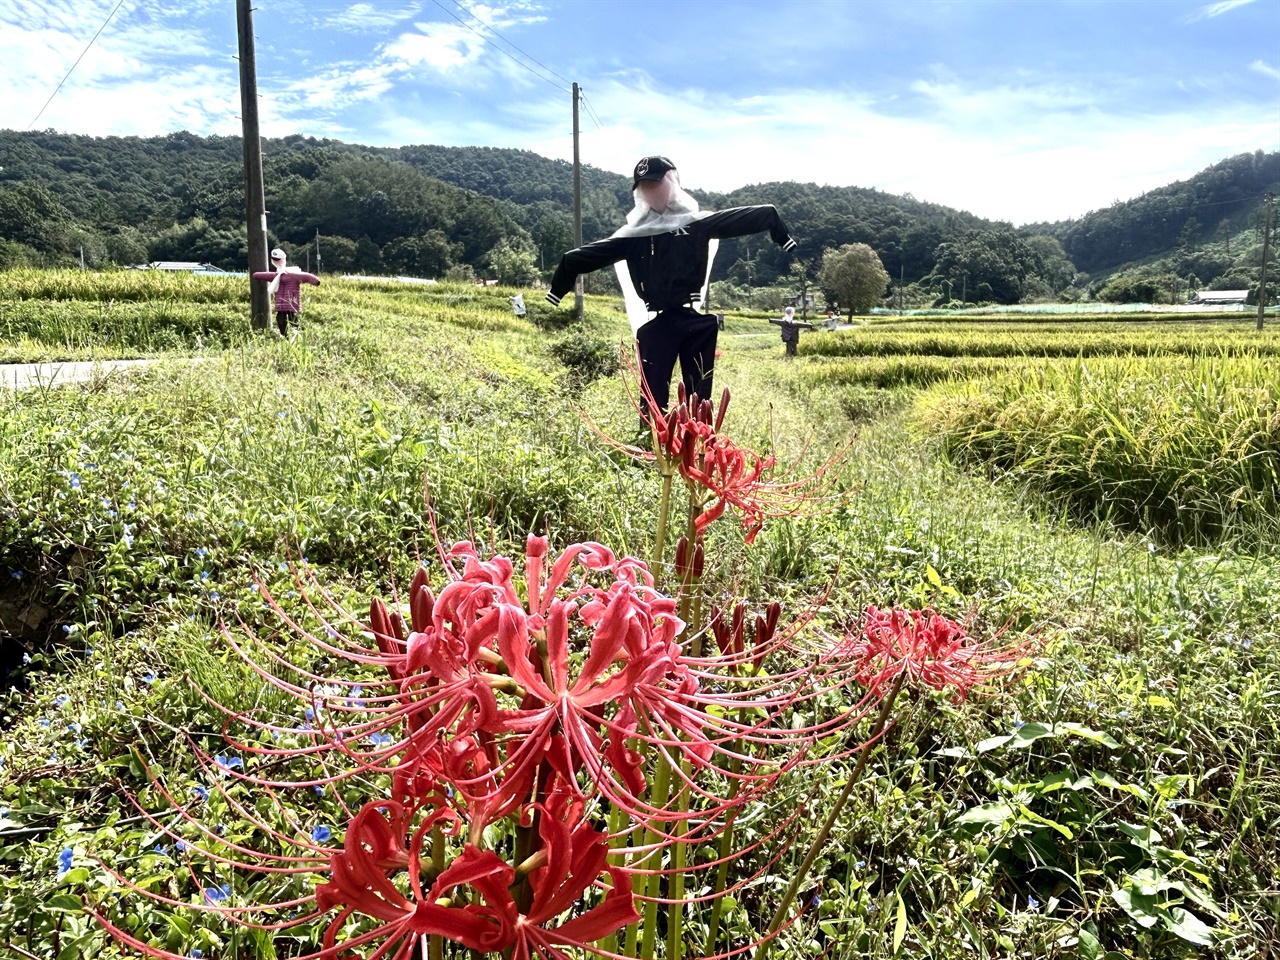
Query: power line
[[518, 63], [74, 65], [591, 112], [488, 27]]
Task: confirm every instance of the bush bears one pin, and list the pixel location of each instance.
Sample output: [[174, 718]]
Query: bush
[[586, 358]]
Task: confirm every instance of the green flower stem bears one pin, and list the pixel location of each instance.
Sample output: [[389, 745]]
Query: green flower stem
[[726, 845], [820, 840], [435, 945], [617, 820], [653, 883], [675, 914], [664, 512]]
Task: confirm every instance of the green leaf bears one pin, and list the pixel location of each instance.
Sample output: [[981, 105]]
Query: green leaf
[[1142, 909], [1158, 701], [992, 813], [1185, 924], [992, 743], [1107, 780], [1080, 730], [1029, 733], [64, 903], [1087, 945], [900, 927], [1033, 817], [933, 575]]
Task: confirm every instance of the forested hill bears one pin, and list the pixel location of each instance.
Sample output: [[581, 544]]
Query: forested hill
[[432, 210], [1218, 202]]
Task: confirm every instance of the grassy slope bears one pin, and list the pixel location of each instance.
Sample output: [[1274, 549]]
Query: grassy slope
[[122, 496]]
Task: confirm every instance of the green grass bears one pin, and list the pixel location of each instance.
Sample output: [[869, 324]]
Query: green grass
[[133, 512]]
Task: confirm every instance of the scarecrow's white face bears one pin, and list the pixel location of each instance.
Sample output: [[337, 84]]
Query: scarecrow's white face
[[657, 194]]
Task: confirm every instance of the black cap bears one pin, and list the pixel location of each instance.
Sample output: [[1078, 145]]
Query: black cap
[[652, 168]]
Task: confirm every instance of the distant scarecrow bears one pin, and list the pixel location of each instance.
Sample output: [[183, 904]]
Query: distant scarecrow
[[791, 328]]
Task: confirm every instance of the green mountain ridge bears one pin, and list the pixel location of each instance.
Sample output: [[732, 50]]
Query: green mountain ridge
[[428, 209]]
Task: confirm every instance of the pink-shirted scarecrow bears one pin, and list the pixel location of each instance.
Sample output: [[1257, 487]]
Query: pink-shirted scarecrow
[[285, 284]]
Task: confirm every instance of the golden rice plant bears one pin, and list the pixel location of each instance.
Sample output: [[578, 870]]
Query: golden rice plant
[[1185, 447]]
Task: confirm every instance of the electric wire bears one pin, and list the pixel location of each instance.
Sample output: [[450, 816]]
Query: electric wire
[[490, 28], [517, 62], [74, 65]]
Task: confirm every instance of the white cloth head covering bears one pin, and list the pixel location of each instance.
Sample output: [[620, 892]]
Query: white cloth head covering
[[644, 221]]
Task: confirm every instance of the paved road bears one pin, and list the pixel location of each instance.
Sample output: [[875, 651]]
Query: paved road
[[23, 376]]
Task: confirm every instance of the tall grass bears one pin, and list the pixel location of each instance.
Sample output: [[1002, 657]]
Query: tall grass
[[1188, 448]]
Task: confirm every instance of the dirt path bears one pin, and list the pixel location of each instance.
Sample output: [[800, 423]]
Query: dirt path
[[24, 376]]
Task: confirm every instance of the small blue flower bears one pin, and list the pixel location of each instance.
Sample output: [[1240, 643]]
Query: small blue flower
[[282, 414], [201, 552], [227, 762], [161, 849], [61, 700], [75, 481], [318, 789], [15, 575], [127, 540], [321, 834], [309, 714], [217, 894], [1092, 705], [220, 829], [1032, 903], [1019, 724], [180, 846], [860, 864], [215, 595], [45, 723], [82, 742], [73, 727], [64, 861], [200, 792], [379, 739], [204, 575], [148, 678], [196, 952], [26, 658]]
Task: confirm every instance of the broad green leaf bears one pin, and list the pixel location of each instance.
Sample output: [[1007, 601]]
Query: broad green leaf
[[993, 813], [900, 927], [1158, 701], [992, 743], [1033, 817], [1087, 944], [1107, 780], [933, 575], [1029, 733], [1188, 926], [1141, 908], [64, 903], [1080, 730]]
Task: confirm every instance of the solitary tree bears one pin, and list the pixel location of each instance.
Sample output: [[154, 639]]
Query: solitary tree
[[854, 275]]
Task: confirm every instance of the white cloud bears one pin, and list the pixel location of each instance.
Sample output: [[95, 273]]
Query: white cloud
[[1038, 162], [1216, 9], [369, 18], [1265, 69]]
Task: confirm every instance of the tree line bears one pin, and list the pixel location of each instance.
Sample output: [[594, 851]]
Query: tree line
[[462, 211]]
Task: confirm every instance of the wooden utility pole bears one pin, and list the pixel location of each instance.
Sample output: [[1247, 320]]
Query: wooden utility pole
[[255, 208], [577, 205], [1266, 242]]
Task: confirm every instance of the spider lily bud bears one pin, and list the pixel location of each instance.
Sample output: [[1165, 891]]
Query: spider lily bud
[[724, 406], [699, 559], [682, 557]]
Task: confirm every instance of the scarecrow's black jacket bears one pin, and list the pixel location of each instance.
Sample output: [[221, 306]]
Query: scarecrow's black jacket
[[668, 269]]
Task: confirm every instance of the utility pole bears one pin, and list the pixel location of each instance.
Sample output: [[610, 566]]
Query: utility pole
[[255, 208], [1266, 242], [577, 205], [902, 278], [317, 249]]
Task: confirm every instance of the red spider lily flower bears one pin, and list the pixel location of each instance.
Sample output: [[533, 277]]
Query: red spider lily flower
[[720, 473], [929, 649]]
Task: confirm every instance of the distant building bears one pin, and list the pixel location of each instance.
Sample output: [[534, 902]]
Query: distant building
[[179, 266], [1221, 298]]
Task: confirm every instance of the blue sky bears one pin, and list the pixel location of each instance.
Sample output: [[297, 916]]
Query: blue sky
[[1023, 110]]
